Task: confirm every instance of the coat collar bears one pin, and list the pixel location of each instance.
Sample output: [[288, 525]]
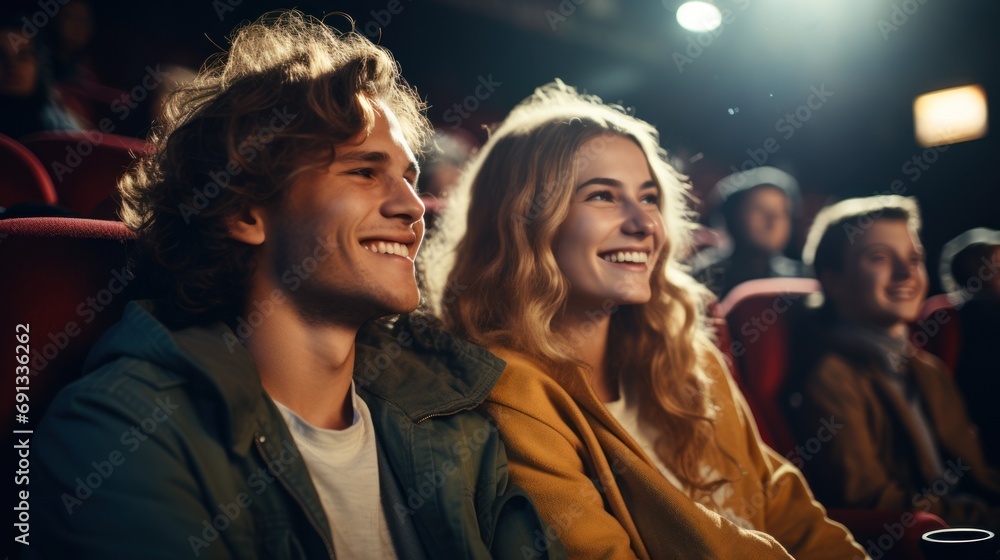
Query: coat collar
[[577, 385], [913, 367], [424, 371], [410, 363]]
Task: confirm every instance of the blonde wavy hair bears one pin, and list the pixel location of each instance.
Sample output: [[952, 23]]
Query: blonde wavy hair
[[505, 288]]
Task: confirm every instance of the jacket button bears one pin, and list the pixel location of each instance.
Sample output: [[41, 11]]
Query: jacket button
[[262, 439]]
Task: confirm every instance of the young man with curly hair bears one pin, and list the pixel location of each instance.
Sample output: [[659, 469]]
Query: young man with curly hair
[[259, 410]]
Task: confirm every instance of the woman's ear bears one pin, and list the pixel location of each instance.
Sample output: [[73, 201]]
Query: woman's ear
[[248, 225]]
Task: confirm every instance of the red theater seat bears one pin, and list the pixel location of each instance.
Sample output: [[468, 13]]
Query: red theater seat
[[23, 177], [758, 315], [67, 280], [724, 342], [84, 166], [942, 330]]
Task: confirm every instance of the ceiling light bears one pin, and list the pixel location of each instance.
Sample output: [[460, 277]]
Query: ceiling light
[[951, 115], [699, 16]]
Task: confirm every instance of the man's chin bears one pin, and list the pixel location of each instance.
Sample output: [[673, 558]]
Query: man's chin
[[400, 304], [332, 306]]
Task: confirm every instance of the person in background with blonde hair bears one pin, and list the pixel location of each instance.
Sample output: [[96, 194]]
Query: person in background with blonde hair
[[618, 415]]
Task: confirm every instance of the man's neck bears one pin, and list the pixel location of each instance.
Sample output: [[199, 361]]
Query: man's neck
[[306, 367]]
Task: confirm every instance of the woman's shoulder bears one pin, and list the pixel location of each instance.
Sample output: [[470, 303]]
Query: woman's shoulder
[[517, 361], [521, 370], [526, 383]]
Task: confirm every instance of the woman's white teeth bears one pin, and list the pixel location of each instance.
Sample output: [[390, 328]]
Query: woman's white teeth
[[626, 256], [388, 248]]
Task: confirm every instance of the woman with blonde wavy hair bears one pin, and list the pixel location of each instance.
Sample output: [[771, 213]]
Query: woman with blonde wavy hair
[[617, 412]]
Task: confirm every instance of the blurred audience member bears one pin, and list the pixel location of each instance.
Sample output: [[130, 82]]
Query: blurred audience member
[[970, 272], [443, 160], [757, 206], [969, 266], [28, 102], [74, 30], [72, 67], [894, 430]]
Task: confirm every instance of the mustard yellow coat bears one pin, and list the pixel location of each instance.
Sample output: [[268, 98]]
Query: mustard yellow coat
[[603, 498]]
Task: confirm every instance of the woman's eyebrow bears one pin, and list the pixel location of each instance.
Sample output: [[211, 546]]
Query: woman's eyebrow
[[615, 183]]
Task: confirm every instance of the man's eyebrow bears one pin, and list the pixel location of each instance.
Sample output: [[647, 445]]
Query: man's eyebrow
[[878, 245], [359, 156]]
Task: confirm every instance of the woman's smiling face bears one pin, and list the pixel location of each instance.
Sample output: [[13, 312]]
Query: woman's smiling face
[[612, 237]]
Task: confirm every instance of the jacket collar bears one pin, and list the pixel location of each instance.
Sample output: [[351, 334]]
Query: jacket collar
[[576, 383], [876, 363], [424, 371], [410, 362]]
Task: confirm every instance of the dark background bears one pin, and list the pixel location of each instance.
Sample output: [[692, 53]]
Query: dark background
[[711, 109]]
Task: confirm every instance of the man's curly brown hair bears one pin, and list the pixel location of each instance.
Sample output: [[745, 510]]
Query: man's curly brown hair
[[288, 92]]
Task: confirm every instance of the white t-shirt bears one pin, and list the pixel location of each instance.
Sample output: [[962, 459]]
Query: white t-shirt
[[627, 414], [643, 434], [343, 465]]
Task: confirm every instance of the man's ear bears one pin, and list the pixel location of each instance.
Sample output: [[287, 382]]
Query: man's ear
[[248, 225]]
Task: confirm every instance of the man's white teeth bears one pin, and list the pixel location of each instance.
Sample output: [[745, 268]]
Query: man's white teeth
[[626, 256], [388, 248]]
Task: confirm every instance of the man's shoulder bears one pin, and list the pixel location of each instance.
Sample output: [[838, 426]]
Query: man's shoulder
[[836, 373], [930, 368], [421, 368], [121, 396], [126, 384]]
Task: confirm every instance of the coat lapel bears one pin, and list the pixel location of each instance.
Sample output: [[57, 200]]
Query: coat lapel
[[901, 410]]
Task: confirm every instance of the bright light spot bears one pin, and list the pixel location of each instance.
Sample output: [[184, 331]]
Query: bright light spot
[[699, 16], [733, 110], [950, 115]]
